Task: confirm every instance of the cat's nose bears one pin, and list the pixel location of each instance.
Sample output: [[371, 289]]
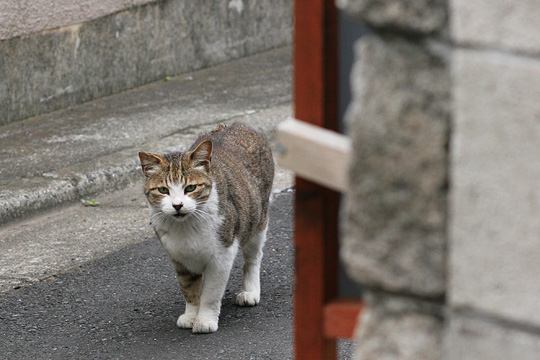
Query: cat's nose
[[177, 207]]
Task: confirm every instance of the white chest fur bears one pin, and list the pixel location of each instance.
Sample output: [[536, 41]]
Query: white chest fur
[[192, 246], [194, 241]]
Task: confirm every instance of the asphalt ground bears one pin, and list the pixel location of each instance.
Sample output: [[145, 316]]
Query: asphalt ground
[[125, 304]]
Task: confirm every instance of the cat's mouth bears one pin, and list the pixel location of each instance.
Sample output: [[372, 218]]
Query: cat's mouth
[[179, 215]]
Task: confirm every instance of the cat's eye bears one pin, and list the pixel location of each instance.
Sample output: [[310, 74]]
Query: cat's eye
[[163, 190], [190, 188]]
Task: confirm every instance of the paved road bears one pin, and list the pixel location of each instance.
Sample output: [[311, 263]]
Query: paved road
[[124, 306]]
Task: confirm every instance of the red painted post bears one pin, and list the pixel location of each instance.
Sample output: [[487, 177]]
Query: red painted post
[[316, 208], [340, 318]]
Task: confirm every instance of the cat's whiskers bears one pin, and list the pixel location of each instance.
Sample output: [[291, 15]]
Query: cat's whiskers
[[203, 212], [201, 215], [158, 219], [198, 216], [199, 209], [206, 218]]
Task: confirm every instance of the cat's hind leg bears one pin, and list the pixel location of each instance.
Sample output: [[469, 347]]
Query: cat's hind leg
[[190, 285], [251, 286]]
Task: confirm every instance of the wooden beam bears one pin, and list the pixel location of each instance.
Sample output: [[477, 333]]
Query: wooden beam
[[341, 317], [314, 153]]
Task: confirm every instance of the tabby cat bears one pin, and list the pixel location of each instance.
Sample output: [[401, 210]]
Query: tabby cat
[[205, 203]]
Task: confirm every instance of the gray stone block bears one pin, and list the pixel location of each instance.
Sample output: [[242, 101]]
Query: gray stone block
[[420, 16], [399, 328], [395, 233], [495, 213], [473, 338], [503, 24], [59, 68]]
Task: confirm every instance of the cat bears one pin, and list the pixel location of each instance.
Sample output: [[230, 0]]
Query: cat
[[206, 203]]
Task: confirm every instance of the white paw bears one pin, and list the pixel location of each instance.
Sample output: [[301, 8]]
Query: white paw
[[204, 325], [185, 321], [247, 298]]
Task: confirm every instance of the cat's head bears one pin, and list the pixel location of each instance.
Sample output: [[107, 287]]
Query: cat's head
[[178, 184]]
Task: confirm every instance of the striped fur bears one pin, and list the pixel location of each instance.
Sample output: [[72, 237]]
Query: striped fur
[[206, 203]]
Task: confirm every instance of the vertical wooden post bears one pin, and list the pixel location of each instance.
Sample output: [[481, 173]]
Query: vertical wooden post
[[316, 208]]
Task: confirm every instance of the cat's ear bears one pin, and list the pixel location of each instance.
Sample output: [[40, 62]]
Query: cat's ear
[[202, 155], [150, 163]]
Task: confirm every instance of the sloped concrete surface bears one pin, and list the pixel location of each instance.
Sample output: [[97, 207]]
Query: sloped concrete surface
[[69, 154]]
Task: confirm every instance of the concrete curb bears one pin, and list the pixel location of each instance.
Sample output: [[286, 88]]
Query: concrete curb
[[115, 171]]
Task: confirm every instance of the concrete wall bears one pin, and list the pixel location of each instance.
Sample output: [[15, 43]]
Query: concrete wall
[[53, 69], [23, 17], [494, 289]]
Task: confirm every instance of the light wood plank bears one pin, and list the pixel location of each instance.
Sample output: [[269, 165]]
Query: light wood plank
[[314, 153]]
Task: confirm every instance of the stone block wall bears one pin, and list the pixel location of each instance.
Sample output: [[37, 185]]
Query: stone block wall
[[494, 259], [395, 234], [141, 41], [443, 216]]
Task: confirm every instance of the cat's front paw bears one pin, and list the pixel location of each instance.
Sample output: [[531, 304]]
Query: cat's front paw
[[185, 321], [204, 325], [247, 298]]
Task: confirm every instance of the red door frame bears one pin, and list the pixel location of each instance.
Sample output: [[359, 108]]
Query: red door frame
[[319, 318]]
